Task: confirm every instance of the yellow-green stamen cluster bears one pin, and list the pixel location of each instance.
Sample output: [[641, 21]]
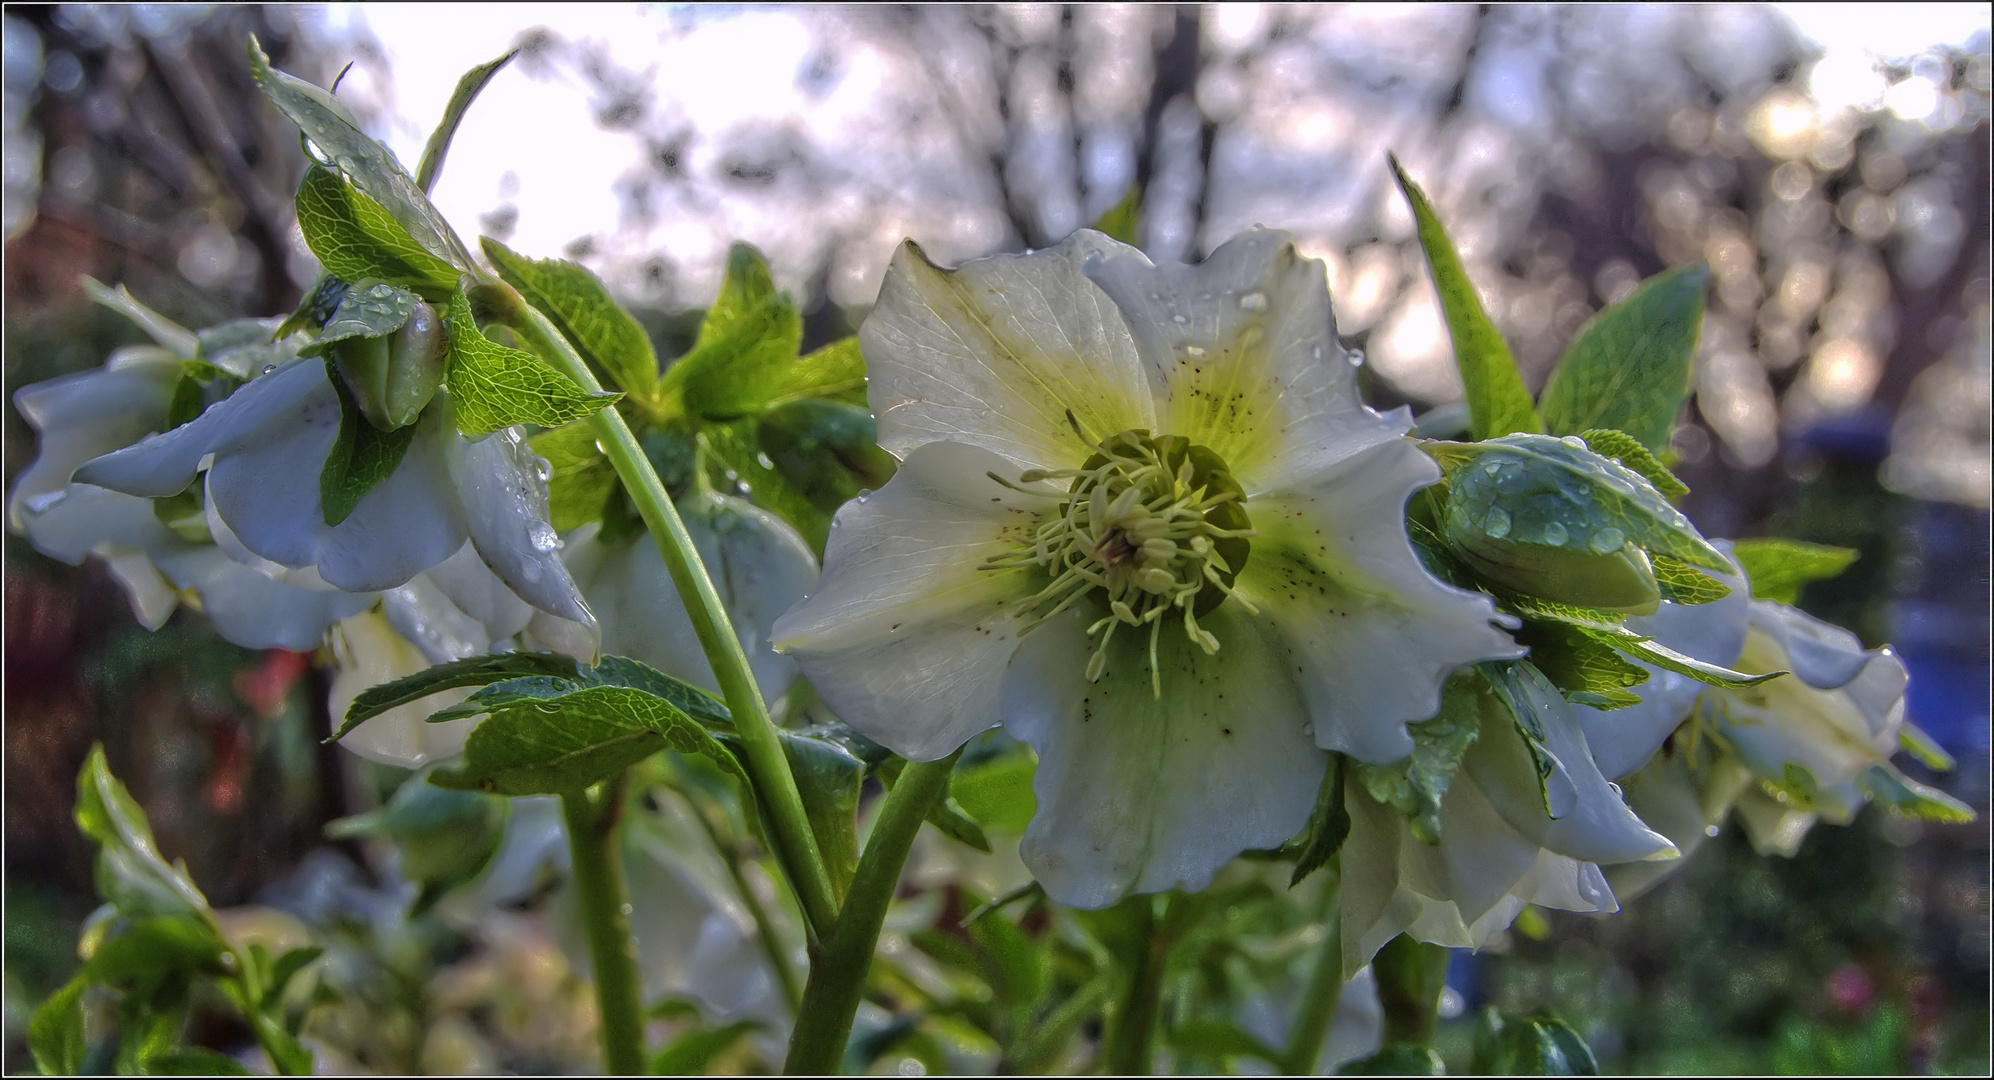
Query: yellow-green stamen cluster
[[1153, 527]]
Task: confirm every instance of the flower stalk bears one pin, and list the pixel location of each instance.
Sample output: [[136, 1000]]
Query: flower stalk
[[1131, 1042], [592, 816], [1325, 989], [839, 966], [775, 785], [1411, 975]]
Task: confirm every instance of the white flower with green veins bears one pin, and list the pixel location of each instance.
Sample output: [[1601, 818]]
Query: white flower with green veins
[[1145, 522]]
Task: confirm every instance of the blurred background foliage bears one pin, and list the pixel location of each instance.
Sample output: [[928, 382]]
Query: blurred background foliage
[[1832, 169]]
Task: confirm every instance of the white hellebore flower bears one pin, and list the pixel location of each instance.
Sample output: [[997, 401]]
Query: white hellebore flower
[[758, 563], [1144, 522], [82, 416], [264, 447], [1499, 848]]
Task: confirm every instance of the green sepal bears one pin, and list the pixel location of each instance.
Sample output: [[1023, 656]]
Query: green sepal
[[1778, 568], [131, 874], [1629, 368], [1415, 785], [355, 237], [1629, 451], [746, 344], [1509, 680], [1498, 403], [169, 335], [835, 372], [827, 451], [579, 305], [495, 387], [362, 456], [369, 308], [1915, 742], [1906, 797]]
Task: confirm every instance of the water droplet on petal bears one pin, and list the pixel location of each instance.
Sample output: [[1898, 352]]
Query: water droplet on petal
[[544, 468], [543, 537], [1496, 524], [1356, 357], [1179, 319], [1554, 534], [1607, 541], [1253, 301], [1194, 350], [268, 368]]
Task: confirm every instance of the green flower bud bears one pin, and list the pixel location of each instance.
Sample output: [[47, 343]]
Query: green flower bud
[[393, 377]]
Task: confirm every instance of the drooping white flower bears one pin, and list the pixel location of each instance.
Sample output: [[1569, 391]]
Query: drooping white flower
[[79, 417], [366, 652], [759, 564], [1499, 847], [1145, 522], [265, 446]]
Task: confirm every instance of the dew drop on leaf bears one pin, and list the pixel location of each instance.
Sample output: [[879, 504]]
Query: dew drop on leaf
[[1554, 534], [1607, 541], [1496, 524]]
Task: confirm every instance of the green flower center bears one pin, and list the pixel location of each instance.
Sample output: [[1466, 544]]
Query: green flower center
[[1153, 527]]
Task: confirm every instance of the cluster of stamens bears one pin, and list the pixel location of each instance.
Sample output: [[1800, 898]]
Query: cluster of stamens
[[1136, 528]]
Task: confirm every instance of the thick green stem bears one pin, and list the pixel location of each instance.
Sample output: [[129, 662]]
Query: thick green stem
[[1324, 991], [1411, 975], [775, 785], [592, 817], [1131, 1049], [838, 968]]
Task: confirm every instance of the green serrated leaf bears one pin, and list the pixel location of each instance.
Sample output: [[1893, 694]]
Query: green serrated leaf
[[581, 308], [475, 671], [835, 372], [468, 88], [495, 387], [55, 1030], [362, 456], [1123, 221], [1416, 785], [1578, 660], [170, 335], [1661, 656], [355, 237], [131, 874], [1681, 583], [318, 304], [563, 744], [581, 480], [1906, 797], [1629, 368], [1918, 744], [693, 1053], [372, 170], [746, 345], [1328, 827], [1778, 568], [1498, 403], [1628, 451], [997, 793]]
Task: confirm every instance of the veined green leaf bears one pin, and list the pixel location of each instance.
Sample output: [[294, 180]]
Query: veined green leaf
[[746, 344], [582, 479], [1556, 629], [1628, 451], [475, 671], [371, 168], [1586, 669], [1629, 368], [468, 88], [835, 372], [997, 794], [735, 448], [355, 237], [826, 450], [131, 874], [1778, 568], [563, 744], [1923, 747], [1416, 785], [362, 456], [1498, 403], [1329, 823], [1681, 583], [1530, 1046], [55, 1030], [581, 308], [495, 387], [370, 309]]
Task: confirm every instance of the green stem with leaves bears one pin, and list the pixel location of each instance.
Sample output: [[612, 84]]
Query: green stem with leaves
[[775, 785], [838, 967], [1411, 975], [1325, 987], [592, 816]]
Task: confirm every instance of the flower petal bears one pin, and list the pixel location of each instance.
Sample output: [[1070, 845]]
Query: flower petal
[[251, 609], [428, 619], [1822, 655], [906, 637], [267, 491], [1836, 735], [161, 465], [1599, 827], [473, 589], [367, 652], [1368, 632], [1138, 793], [76, 521], [1241, 355], [498, 481], [996, 352], [82, 416]]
